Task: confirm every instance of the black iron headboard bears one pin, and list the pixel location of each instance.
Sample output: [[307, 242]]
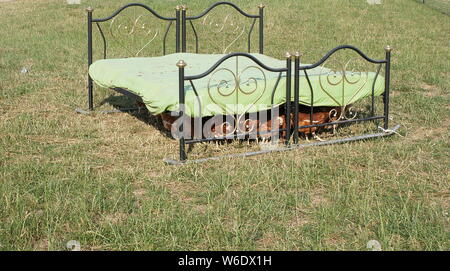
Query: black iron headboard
[[180, 20], [205, 13]]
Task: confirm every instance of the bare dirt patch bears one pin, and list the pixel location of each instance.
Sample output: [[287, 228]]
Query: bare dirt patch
[[267, 241], [431, 90], [116, 218]]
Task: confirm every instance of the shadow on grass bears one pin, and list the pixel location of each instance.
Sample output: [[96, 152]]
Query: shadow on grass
[[124, 103]]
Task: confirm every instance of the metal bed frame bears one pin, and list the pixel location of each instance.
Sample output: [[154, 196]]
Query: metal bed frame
[[289, 134], [180, 20]]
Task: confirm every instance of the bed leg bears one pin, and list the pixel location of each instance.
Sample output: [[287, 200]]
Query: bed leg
[[261, 28], [90, 86], [182, 150], [181, 64], [177, 29], [296, 95], [387, 79], [90, 94], [288, 97], [183, 29]]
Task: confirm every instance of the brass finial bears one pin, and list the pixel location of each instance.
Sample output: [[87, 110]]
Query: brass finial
[[287, 55], [261, 6], [89, 9], [183, 7], [181, 64], [388, 48], [297, 54], [178, 7]]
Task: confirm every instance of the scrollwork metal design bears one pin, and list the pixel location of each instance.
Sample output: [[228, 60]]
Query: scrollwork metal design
[[225, 25], [130, 29], [342, 77], [243, 82]]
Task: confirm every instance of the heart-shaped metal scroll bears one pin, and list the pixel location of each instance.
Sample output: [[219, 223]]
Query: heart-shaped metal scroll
[[135, 32], [225, 83], [225, 26], [341, 77]]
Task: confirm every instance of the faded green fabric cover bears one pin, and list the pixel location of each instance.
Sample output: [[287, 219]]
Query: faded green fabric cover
[[155, 79]]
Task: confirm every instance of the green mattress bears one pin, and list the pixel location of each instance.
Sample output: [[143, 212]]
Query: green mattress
[[237, 86]]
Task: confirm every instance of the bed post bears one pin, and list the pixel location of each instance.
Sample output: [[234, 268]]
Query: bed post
[[183, 28], [296, 94], [261, 28], [90, 86], [387, 80], [181, 64], [177, 29], [288, 97]]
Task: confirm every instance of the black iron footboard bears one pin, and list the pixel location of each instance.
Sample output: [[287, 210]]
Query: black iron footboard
[[240, 126], [338, 115]]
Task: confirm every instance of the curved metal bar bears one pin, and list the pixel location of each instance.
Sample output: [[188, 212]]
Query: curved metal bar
[[220, 61], [196, 37], [198, 99], [312, 100], [310, 89], [342, 47], [133, 5], [272, 116], [104, 40], [197, 128], [275, 88], [165, 37], [373, 89], [250, 34], [222, 3]]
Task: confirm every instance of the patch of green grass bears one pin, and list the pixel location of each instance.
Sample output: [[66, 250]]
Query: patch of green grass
[[100, 179]]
